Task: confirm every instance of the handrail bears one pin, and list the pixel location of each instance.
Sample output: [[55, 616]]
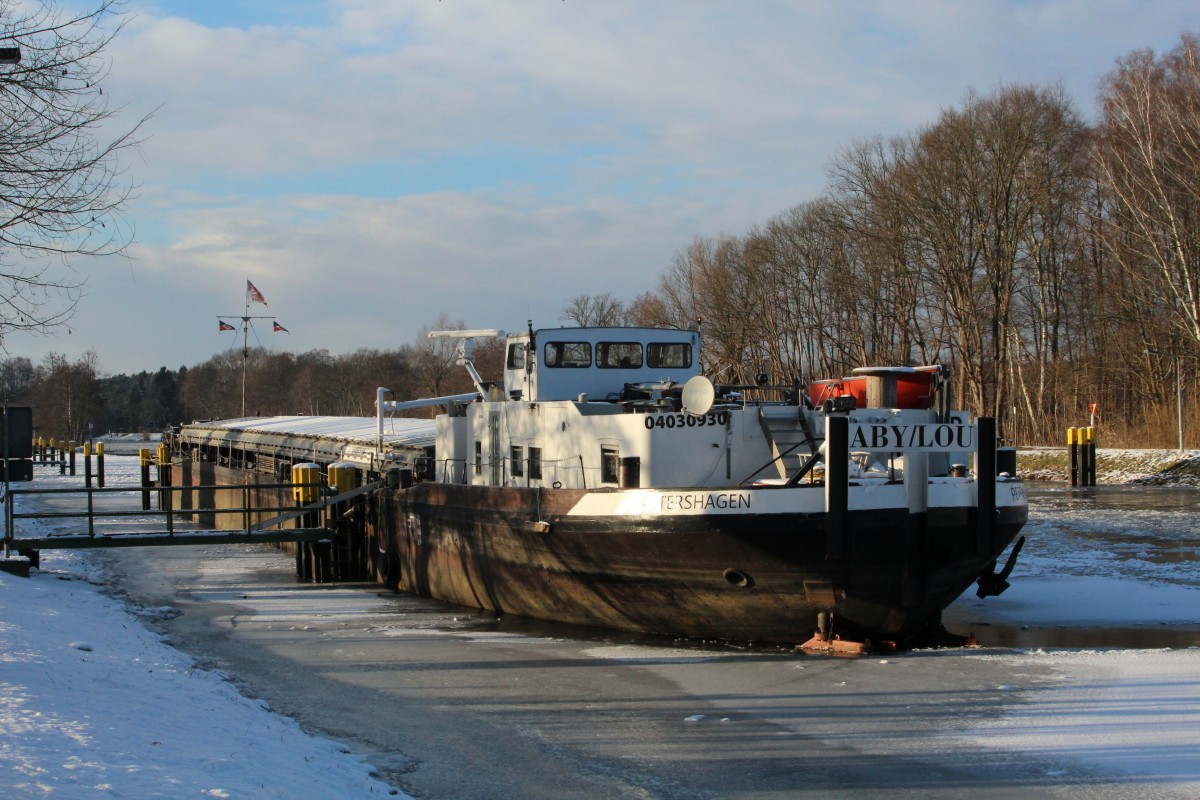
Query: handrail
[[91, 514]]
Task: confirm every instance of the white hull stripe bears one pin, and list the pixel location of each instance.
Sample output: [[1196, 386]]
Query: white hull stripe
[[777, 500]]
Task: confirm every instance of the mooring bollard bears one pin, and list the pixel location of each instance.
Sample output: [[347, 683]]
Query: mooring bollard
[[1073, 450], [342, 477], [345, 557], [164, 480], [311, 560], [147, 484], [1091, 458], [1084, 468]]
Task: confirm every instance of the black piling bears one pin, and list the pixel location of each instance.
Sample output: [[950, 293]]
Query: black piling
[[1091, 457], [985, 481], [147, 484], [1073, 451], [312, 558], [837, 485]]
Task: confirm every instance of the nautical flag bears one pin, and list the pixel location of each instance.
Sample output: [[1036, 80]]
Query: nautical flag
[[225, 326], [279, 328], [255, 295]]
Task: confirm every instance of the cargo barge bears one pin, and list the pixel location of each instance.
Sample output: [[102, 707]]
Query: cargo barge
[[604, 481]]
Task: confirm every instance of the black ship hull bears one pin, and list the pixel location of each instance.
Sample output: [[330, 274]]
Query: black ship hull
[[747, 576]]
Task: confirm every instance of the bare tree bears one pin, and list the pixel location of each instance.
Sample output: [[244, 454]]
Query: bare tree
[[710, 282], [649, 311], [68, 399], [61, 189], [17, 378], [435, 363], [1149, 155], [599, 310]]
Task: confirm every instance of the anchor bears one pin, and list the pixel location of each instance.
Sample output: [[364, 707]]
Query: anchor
[[991, 584]]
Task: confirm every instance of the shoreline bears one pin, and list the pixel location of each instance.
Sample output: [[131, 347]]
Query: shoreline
[[1114, 466]]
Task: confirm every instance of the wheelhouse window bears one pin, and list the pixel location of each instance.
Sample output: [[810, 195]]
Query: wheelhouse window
[[516, 356], [479, 458], [571, 355], [610, 463], [535, 463], [619, 355], [517, 455], [672, 355]]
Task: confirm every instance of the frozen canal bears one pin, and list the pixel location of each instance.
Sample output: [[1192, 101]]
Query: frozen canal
[[446, 703], [1110, 566]]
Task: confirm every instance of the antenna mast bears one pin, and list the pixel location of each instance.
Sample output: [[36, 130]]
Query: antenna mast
[[253, 295]]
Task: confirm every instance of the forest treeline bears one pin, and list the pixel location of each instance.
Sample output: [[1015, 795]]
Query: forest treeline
[[1052, 263], [73, 400]]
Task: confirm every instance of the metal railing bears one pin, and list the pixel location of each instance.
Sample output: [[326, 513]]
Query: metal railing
[[262, 531]]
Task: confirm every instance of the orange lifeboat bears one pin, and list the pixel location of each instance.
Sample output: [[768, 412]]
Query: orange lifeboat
[[916, 387]]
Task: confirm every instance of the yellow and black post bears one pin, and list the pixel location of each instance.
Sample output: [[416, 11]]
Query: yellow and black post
[[100, 464], [1091, 455], [164, 481], [1073, 451], [1084, 453], [144, 464], [312, 561], [87, 464], [346, 555]]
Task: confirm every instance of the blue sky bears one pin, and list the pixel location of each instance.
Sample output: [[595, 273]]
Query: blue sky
[[373, 165]]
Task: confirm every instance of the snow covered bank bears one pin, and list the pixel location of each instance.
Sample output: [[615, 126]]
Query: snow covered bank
[[1114, 465], [94, 705]]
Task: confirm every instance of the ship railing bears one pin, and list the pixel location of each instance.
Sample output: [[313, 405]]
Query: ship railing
[[452, 470], [570, 471]]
